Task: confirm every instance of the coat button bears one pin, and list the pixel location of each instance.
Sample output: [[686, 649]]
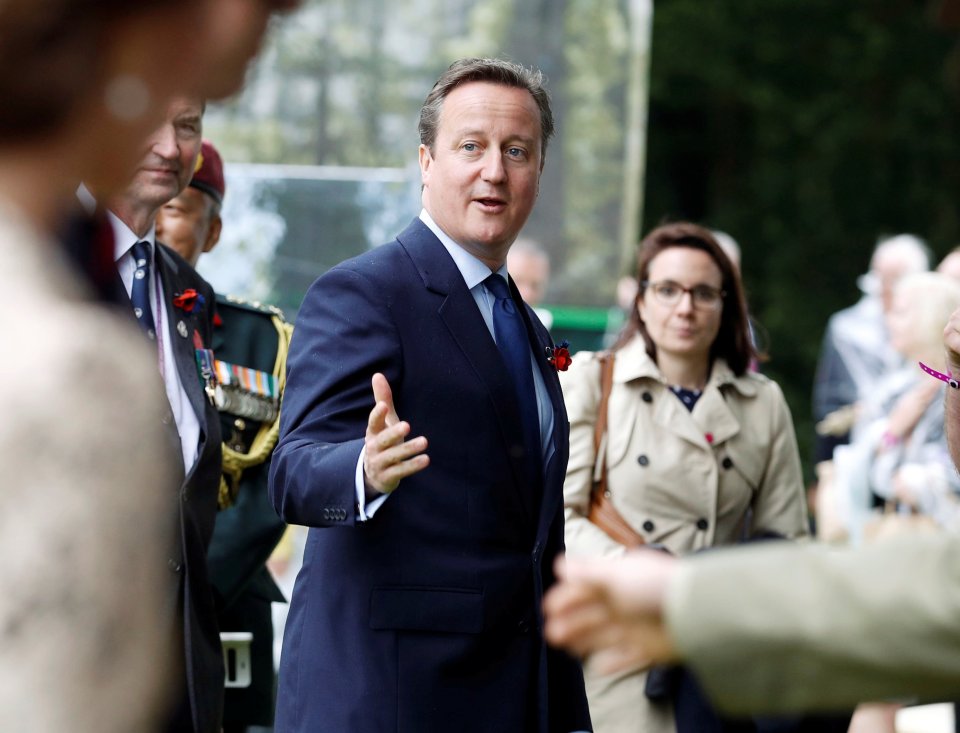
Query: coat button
[[702, 524], [523, 627], [649, 526], [647, 397], [643, 460], [727, 463], [174, 565]]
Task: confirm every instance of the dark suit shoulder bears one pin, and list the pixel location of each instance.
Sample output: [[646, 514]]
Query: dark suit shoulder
[[182, 270], [249, 333], [380, 261]]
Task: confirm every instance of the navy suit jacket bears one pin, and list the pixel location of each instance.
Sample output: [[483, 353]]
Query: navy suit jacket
[[426, 617], [196, 505]]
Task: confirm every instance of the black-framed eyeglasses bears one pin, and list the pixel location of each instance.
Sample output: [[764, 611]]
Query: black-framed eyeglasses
[[669, 292]]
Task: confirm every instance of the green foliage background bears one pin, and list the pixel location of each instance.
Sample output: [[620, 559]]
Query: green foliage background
[[806, 130]]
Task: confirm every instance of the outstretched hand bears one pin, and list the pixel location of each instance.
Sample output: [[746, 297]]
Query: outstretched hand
[[611, 610], [388, 456]]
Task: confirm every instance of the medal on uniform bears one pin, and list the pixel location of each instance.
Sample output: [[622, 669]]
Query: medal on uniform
[[205, 365]]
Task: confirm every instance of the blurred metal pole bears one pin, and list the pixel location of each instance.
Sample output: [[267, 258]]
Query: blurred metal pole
[[635, 140]]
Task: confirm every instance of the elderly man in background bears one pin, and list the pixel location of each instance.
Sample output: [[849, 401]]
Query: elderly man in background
[[856, 352], [529, 267], [173, 306], [250, 341]]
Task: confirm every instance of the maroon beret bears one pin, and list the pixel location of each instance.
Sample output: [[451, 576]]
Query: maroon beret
[[208, 175]]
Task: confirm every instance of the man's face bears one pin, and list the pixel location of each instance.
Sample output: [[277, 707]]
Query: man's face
[[184, 223], [172, 150], [531, 272], [888, 268], [480, 180]]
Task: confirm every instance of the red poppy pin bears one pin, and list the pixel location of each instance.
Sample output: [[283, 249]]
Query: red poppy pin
[[189, 301], [559, 356]]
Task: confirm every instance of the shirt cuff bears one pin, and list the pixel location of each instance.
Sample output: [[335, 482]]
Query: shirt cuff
[[365, 510]]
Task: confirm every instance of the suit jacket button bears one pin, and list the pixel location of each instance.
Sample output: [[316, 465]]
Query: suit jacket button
[[174, 565], [702, 524], [643, 460], [727, 463], [523, 627], [649, 526], [647, 397]]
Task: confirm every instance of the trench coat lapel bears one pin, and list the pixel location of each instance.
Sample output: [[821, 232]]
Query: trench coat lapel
[[711, 416]]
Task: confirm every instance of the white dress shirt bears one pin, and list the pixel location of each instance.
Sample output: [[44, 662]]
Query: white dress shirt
[[188, 424]]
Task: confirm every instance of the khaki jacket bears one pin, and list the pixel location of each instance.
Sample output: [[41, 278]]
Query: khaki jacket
[[88, 492], [777, 629], [687, 480]]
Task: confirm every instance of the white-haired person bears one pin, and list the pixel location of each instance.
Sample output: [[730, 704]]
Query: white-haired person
[[897, 461], [856, 352]]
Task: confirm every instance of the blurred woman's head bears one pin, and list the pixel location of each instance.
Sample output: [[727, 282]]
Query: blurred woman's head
[[690, 302], [57, 54], [920, 308], [84, 83]]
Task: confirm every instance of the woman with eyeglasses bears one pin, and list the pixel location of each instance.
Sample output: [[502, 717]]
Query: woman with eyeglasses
[[698, 450]]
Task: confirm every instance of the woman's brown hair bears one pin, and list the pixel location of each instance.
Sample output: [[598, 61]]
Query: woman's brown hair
[[733, 343]]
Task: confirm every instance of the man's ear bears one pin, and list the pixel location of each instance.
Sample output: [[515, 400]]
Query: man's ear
[[425, 160], [213, 233]]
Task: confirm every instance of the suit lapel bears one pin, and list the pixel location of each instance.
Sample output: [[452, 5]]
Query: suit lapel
[[460, 314], [183, 347], [555, 468]]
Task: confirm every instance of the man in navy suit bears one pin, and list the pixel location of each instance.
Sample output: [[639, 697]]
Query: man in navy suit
[[418, 606], [174, 305]]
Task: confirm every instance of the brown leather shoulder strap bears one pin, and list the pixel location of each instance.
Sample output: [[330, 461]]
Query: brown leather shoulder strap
[[606, 359]]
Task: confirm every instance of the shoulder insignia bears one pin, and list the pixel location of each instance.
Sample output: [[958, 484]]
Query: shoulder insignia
[[251, 305]]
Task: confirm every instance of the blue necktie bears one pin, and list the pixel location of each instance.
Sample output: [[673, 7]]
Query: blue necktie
[[512, 340], [140, 292]]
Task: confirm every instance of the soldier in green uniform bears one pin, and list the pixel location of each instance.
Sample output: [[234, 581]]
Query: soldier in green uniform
[[250, 345]]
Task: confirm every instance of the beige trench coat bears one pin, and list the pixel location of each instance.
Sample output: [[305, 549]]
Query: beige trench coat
[[89, 503], [686, 480]]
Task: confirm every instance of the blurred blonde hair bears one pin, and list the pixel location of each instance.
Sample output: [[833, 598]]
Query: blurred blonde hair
[[932, 298]]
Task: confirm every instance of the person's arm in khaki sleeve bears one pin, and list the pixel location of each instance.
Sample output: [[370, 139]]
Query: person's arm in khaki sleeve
[[778, 628], [780, 505], [581, 394]]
